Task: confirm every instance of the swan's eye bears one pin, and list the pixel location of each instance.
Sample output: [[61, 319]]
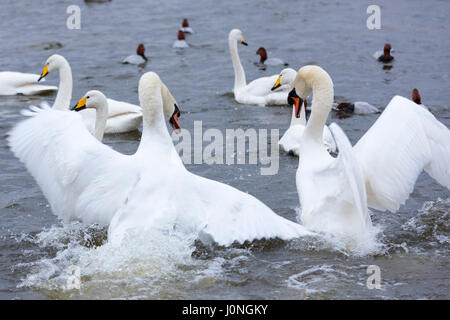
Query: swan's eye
[[87, 97]]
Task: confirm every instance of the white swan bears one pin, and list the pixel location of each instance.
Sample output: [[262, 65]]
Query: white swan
[[81, 178], [13, 83], [84, 179], [380, 171], [139, 58], [122, 116], [290, 142], [258, 91]]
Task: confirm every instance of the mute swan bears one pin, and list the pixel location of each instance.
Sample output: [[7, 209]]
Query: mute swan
[[379, 171], [386, 55], [358, 107], [81, 178], [139, 58], [166, 193], [290, 142], [185, 27], [122, 116], [181, 41], [271, 61], [258, 91], [13, 83]]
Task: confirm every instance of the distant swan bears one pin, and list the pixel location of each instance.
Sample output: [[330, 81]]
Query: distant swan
[[379, 171], [13, 83], [258, 91], [122, 116]]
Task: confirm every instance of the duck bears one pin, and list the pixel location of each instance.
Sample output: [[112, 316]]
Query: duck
[[290, 141], [181, 40], [415, 96], [139, 58], [386, 55], [271, 61], [81, 178], [258, 91], [379, 171], [122, 116], [358, 107], [17, 83], [185, 27], [87, 180]]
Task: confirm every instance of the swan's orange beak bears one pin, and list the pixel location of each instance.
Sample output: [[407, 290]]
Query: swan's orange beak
[[277, 84], [174, 119], [294, 99], [80, 105], [44, 73]]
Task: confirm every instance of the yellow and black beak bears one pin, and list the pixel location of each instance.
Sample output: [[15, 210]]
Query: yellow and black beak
[[243, 41], [44, 73], [80, 105], [294, 99], [277, 84], [174, 119]]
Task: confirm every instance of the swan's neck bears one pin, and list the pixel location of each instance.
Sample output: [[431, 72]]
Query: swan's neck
[[155, 137], [323, 95], [101, 116], [239, 74], [302, 119], [64, 95]]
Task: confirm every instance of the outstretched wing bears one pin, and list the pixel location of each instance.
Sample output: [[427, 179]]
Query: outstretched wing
[[405, 140], [79, 176]]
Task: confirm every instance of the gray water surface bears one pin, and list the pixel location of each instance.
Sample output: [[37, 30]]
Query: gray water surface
[[36, 248]]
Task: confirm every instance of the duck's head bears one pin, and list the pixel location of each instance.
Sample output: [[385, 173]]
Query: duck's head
[[416, 96], [185, 23], [91, 99], [285, 78], [181, 35], [262, 53], [53, 63], [387, 49], [237, 35], [140, 51]]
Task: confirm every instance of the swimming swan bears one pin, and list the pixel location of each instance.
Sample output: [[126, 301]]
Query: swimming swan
[[258, 91], [290, 142], [122, 116], [81, 178], [13, 83], [379, 171]]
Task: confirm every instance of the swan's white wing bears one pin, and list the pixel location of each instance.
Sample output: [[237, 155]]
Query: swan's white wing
[[230, 215], [353, 178], [405, 140], [77, 174], [290, 141], [262, 86]]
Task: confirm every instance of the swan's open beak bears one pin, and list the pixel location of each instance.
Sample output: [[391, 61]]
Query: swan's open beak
[[277, 84], [80, 105], [44, 73], [293, 98], [243, 41], [174, 119]]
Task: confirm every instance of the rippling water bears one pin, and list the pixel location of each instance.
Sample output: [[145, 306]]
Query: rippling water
[[36, 249]]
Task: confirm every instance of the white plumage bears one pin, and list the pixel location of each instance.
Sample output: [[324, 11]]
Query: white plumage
[[13, 83]]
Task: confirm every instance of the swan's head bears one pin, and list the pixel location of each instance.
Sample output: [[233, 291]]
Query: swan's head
[[262, 53], [148, 85], [91, 99], [285, 78], [416, 96], [181, 35], [185, 23], [54, 62], [294, 99], [237, 35]]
